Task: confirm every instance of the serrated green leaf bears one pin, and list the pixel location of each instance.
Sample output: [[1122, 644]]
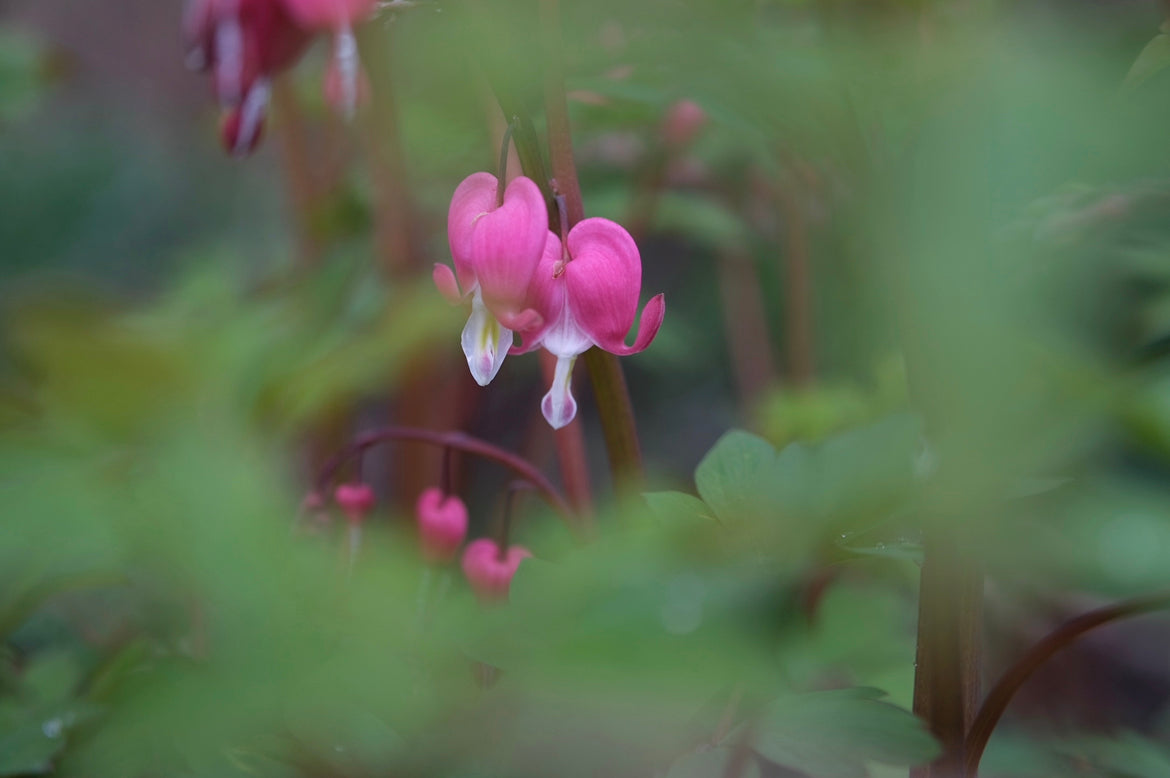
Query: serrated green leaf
[[733, 476]]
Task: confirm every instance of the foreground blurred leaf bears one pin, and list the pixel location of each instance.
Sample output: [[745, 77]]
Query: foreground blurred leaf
[[1153, 59], [833, 734], [713, 763]]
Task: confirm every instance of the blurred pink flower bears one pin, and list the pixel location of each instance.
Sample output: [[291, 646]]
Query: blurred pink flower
[[442, 524], [682, 124], [489, 572], [344, 79], [588, 297], [495, 247], [355, 499], [245, 43]]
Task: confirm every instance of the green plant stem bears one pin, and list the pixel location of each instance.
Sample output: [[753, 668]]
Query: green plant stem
[[451, 440], [1065, 635], [946, 678], [605, 371]]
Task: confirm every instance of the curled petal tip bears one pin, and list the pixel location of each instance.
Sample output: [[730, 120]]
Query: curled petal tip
[[447, 285], [652, 316]]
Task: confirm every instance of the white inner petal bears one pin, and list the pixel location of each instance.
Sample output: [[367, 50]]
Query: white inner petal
[[564, 338], [485, 341], [558, 406], [251, 116], [345, 54]]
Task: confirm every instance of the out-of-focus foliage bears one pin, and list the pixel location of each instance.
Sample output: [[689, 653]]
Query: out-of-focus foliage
[[984, 197], [24, 67]]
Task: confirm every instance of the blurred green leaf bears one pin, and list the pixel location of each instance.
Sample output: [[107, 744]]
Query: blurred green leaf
[[1152, 59], [833, 734], [713, 763], [736, 476], [677, 506]]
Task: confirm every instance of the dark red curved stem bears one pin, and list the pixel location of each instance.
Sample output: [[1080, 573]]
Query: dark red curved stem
[[452, 440], [998, 699]]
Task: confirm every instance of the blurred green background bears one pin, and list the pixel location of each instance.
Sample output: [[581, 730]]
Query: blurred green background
[[916, 261]]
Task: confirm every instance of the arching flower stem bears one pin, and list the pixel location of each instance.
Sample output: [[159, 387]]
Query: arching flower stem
[[457, 441], [1063, 636]]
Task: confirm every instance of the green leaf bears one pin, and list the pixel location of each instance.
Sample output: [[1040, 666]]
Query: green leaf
[[677, 506], [711, 764], [833, 734], [1153, 59], [27, 744], [733, 477]]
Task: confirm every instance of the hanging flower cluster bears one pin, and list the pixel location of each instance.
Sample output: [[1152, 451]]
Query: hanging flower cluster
[[522, 279], [244, 43]]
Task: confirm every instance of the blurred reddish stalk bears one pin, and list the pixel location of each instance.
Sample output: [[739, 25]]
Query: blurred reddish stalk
[[950, 635], [1017, 675], [570, 440], [798, 286], [304, 188], [605, 371], [746, 323], [428, 395]]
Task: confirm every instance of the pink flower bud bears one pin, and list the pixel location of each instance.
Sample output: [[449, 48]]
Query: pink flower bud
[[355, 499], [489, 575], [442, 525], [683, 122]]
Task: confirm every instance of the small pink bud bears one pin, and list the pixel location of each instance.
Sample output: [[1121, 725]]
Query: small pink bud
[[356, 499], [442, 525], [683, 122], [490, 576]]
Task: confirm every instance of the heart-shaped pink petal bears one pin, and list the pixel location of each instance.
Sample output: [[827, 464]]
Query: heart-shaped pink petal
[[603, 281], [489, 575], [442, 524]]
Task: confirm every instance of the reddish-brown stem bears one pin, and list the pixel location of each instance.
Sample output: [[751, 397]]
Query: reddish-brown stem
[[446, 480], [946, 678], [298, 169], [395, 222], [798, 308], [505, 537], [605, 371], [453, 440], [998, 699], [746, 323]]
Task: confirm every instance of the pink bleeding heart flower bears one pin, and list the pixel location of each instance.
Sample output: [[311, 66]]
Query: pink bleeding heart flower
[[588, 298], [496, 248], [356, 500], [489, 572], [345, 78], [442, 524], [244, 43], [682, 124]]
